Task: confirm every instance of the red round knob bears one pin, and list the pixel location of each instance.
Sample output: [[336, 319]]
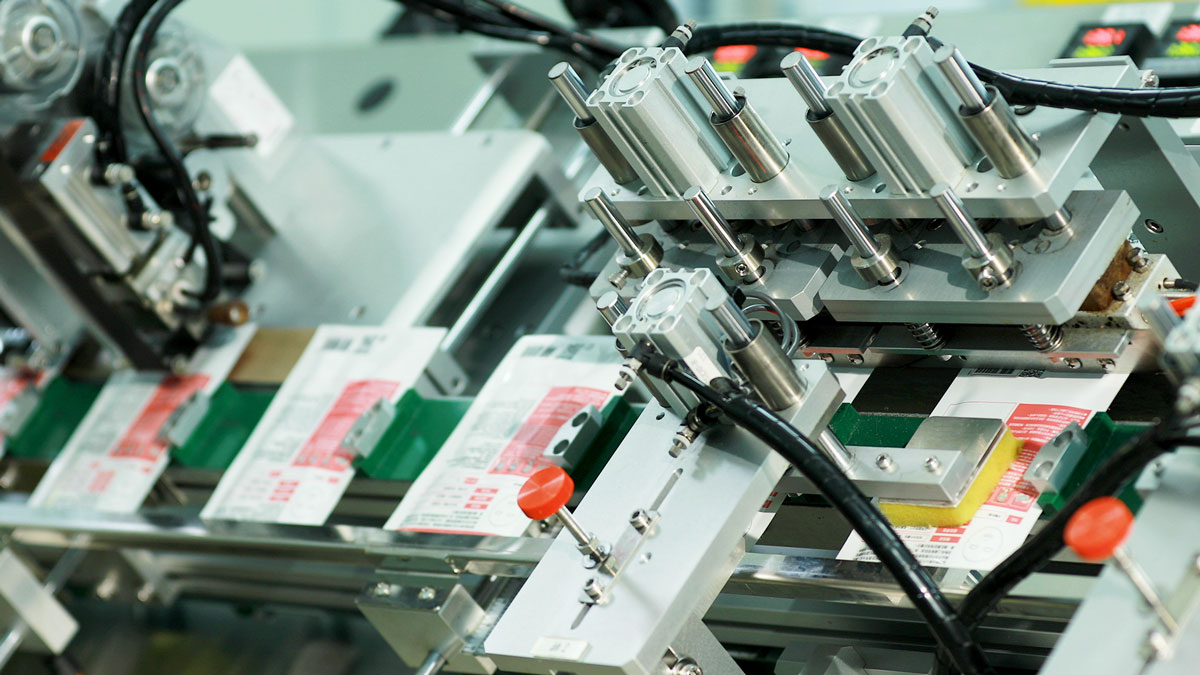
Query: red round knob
[[1098, 528], [545, 493]]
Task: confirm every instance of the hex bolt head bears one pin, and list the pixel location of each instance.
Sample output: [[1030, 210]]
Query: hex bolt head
[[640, 520], [987, 280], [1139, 261], [592, 588]]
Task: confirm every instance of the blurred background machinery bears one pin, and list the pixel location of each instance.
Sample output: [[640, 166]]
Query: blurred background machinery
[[635, 337]]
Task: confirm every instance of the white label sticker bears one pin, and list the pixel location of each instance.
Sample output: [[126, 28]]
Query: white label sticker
[[471, 485], [293, 468], [702, 367], [250, 105], [558, 648], [1154, 14], [1035, 410], [113, 459]]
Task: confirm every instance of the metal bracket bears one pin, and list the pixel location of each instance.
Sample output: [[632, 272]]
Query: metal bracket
[[17, 412], [1056, 460], [419, 620], [369, 428], [574, 438], [937, 465], [182, 421]]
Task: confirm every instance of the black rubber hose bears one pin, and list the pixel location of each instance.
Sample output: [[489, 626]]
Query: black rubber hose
[[771, 34], [110, 72], [1123, 466], [1144, 102], [503, 26], [949, 631], [185, 191], [539, 22]]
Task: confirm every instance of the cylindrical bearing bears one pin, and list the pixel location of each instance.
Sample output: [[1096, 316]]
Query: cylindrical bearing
[[606, 151], [995, 268], [746, 265], [841, 145], [1002, 139], [883, 268], [643, 261], [770, 371], [752, 143]]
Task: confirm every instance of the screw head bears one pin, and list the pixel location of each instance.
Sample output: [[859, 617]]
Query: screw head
[[933, 465], [381, 589], [640, 520], [988, 280], [827, 358], [1159, 644], [426, 593], [592, 588], [1073, 364], [1108, 365], [742, 269], [855, 359], [1121, 290], [885, 463]]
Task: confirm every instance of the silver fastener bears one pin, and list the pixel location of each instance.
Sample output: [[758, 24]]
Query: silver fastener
[[885, 463], [640, 520]]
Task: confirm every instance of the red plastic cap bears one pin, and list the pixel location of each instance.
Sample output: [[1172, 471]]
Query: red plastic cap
[[545, 493], [1098, 528]]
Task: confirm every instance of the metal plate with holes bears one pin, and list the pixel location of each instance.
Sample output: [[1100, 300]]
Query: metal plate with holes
[[678, 570], [800, 262], [957, 446], [1049, 287], [393, 235], [1068, 141], [1053, 464]]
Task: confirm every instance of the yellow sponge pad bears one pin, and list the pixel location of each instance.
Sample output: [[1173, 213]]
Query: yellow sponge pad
[[902, 514]]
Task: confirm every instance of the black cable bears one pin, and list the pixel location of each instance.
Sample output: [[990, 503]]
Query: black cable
[[571, 271], [771, 34], [110, 73], [1123, 466], [1018, 91], [1185, 285], [949, 631], [539, 22], [184, 189], [507, 26]]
